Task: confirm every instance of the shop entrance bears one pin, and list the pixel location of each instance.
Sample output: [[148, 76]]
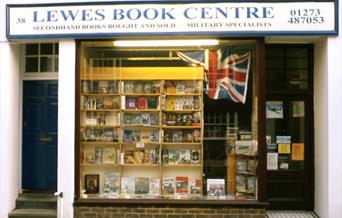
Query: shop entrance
[[39, 144], [289, 126]]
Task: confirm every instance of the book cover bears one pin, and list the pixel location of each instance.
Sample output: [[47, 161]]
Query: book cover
[[195, 156], [127, 185], [142, 102], [251, 184], [154, 136], [107, 103], [142, 185], [129, 87], [155, 187], [195, 187], [187, 119], [187, 135], [154, 119], [136, 119], [103, 86], [177, 135], [165, 156], [174, 157], [89, 157], [131, 102], [138, 87], [215, 187], [91, 183], [128, 157], [196, 119], [185, 156], [111, 183], [168, 135], [240, 183], [139, 156], [182, 183], [145, 119], [196, 135], [98, 155], [241, 166], [147, 87], [168, 186], [112, 86], [152, 102], [127, 118], [131, 136], [109, 155]]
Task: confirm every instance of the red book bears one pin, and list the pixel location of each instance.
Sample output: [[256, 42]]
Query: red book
[[142, 102], [182, 183]]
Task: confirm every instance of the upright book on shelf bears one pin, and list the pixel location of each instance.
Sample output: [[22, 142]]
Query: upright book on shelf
[[111, 183]]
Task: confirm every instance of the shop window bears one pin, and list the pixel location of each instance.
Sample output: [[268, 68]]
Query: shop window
[[288, 68], [41, 58], [160, 122]]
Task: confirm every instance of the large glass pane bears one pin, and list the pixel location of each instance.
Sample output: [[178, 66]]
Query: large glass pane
[[31, 49], [46, 49], [149, 130], [46, 64]]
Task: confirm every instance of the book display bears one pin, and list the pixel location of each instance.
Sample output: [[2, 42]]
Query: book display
[[141, 137]]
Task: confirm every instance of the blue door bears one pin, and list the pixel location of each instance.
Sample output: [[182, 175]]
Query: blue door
[[40, 135]]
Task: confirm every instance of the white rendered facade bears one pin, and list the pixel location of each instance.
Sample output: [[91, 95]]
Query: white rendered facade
[[327, 113]]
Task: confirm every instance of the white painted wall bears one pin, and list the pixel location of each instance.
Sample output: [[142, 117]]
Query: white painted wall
[[9, 127], [321, 128], [66, 126]]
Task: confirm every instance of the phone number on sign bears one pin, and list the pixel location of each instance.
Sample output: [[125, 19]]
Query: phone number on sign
[[306, 16]]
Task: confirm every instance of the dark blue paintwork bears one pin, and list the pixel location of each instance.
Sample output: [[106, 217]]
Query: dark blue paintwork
[[39, 161]]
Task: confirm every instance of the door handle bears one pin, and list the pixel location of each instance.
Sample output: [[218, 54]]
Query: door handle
[[45, 139]]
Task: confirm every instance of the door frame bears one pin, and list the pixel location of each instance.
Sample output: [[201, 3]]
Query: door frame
[[31, 77]]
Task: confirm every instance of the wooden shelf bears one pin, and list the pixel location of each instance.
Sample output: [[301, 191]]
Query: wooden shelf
[[141, 94], [181, 143], [184, 94], [100, 110], [141, 165], [99, 165], [141, 110], [101, 143], [182, 165], [181, 127], [100, 126], [181, 111], [100, 94]]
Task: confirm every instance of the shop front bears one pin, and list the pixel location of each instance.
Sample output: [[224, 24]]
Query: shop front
[[176, 109]]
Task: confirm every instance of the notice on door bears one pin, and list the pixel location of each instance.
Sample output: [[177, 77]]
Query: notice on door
[[297, 151]]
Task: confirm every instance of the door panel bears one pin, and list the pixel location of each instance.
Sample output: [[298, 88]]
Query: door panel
[[39, 162], [289, 184]]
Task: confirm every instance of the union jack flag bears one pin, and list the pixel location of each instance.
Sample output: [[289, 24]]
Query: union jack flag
[[226, 72]]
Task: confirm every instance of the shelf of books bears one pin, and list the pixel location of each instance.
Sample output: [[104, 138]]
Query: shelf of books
[[141, 138]]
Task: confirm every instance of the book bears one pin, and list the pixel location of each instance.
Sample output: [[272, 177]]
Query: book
[[98, 155], [196, 119], [129, 87], [187, 135], [108, 103], [152, 102], [215, 187], [89, 157], [154, 136], [196, 136], [109, 155], [244, 147], [111, 183], [168, 186], [131, 136], [136, 119], [154, 119], [85, 86], [128, 157], [240, 183], [138, 87], [139, 156], [142, 102], [251, 184], [128, 186], [147, 87], [195, 187], [145, 119], [131, 102], [195, 156], [182, 183], [154, 187], [91, 183], [170, 87], [103, 86], [165, 156], [112, 86], [142, 185], [185, 156], [241, 166], [174, 157]]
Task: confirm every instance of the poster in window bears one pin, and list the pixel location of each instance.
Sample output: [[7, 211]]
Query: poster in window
[[274, 110]]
